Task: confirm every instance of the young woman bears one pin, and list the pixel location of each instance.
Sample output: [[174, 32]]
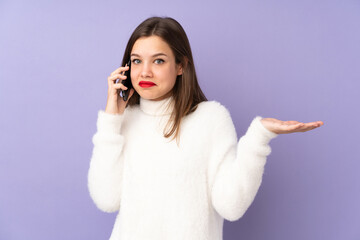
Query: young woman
[[167, 189]]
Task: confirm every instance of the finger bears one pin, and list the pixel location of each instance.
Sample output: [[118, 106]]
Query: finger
[[308, 127], [113, 78], [292, 122], [120, 86], [120, 70], [317, 123], [313, 124], [294, 126], [320, 123]]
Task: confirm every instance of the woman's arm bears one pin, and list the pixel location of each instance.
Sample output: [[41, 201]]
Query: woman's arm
[[236, 168], [105, 172]]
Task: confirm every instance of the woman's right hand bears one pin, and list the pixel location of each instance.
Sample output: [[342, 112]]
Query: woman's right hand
[[115, 103]]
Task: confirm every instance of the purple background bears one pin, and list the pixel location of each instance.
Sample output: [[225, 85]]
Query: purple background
[[290, 60]]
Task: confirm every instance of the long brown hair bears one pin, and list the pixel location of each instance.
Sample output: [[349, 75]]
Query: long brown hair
[[186, 91]]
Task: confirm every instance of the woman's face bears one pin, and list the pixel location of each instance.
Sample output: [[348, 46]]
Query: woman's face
[[152, 60]]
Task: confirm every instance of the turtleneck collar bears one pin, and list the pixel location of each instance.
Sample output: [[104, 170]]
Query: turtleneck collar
[[157, 108]]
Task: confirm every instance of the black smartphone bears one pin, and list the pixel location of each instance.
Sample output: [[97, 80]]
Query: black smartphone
[[127, 83]]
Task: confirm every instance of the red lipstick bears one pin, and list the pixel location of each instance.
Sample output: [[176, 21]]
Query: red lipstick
[[146, 84]]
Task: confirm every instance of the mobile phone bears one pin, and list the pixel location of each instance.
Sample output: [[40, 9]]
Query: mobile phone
[[127, 83]]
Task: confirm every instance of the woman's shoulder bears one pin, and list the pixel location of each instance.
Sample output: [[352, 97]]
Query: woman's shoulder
[[213, 107], [214, 112]]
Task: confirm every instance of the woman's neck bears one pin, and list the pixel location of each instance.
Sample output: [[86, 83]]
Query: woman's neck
[[161, 107]]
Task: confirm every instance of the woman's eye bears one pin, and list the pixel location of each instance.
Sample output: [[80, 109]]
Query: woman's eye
[[159, 61]]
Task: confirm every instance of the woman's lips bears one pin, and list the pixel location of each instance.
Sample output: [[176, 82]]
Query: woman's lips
[[146, 84]]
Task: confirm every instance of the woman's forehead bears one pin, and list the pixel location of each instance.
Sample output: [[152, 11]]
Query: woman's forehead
[[150, 47]]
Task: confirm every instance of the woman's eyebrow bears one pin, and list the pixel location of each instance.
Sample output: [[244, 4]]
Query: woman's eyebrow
[[155, 55]]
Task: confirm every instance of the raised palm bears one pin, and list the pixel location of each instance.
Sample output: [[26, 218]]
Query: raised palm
[[283, 127]]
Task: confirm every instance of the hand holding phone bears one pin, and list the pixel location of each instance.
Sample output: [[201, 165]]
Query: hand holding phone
[[118, 90]]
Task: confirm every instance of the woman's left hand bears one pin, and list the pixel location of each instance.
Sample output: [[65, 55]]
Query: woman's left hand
[[283, 127]]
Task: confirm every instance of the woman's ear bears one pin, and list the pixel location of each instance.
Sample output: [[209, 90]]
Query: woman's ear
[[181, 67]]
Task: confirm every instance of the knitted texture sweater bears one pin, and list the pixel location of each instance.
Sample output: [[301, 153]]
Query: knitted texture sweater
[[167, 191]]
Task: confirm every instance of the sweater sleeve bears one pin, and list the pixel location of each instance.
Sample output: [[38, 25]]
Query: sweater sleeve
[[236, 168], [105, 171]]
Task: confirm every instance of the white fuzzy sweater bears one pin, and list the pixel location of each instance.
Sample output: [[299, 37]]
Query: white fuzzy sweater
[[163, 191]]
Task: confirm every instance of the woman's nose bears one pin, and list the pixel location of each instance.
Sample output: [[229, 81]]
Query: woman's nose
[[146, 70]]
